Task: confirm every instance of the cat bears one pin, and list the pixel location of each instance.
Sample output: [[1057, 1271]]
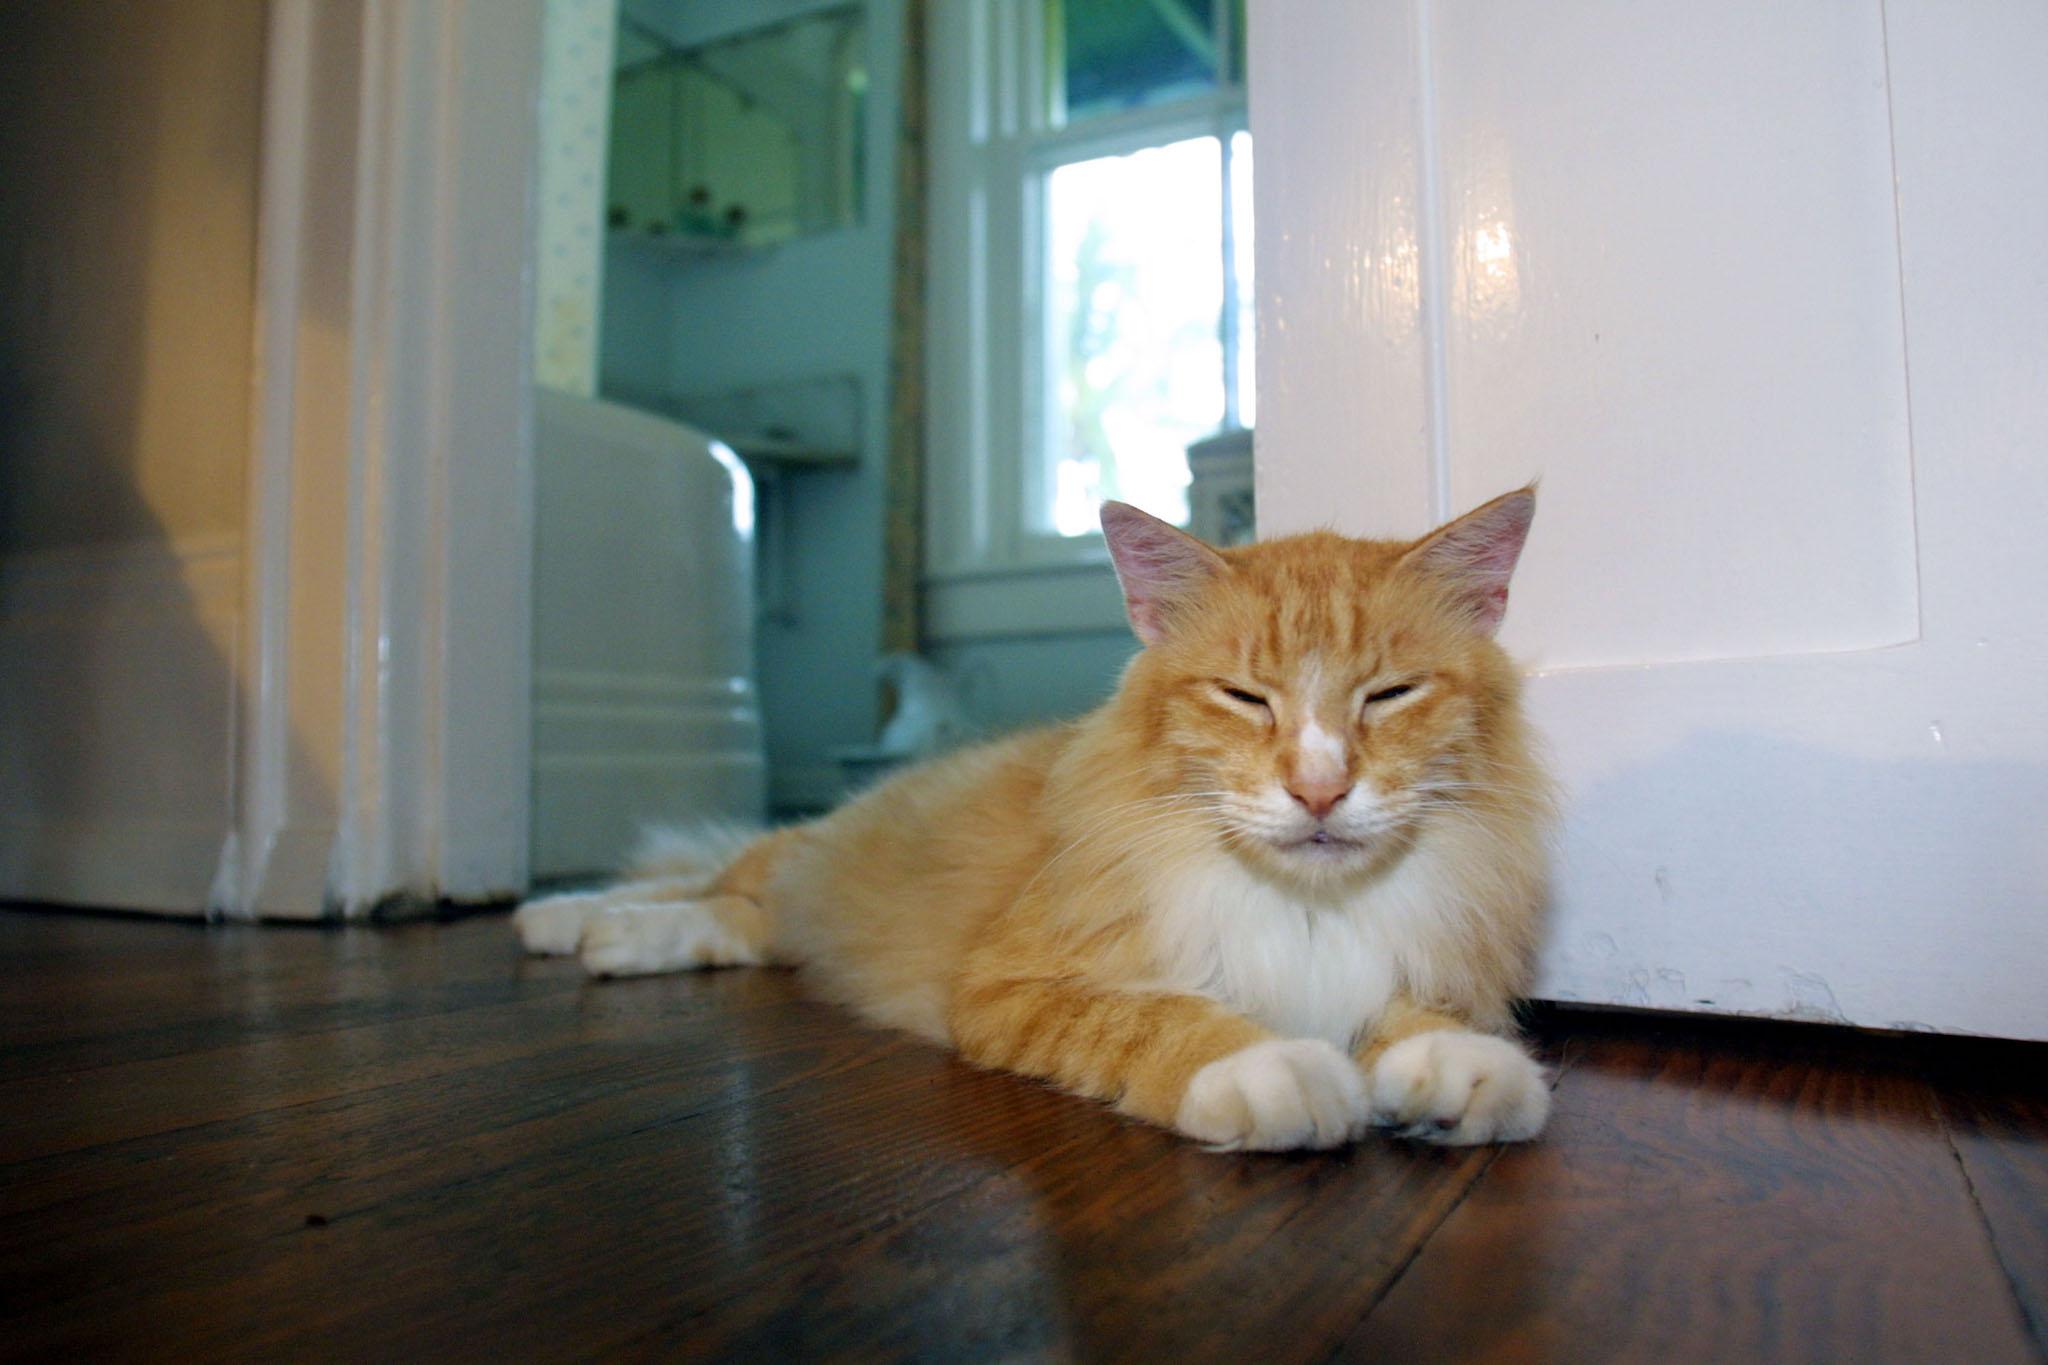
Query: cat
[[1283, 887]]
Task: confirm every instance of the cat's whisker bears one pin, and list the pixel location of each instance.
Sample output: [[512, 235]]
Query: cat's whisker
[[1153, 826], [1166, 809]]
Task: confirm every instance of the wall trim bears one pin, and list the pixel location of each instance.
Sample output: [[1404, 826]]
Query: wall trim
[[385, 703], [1024, 603]]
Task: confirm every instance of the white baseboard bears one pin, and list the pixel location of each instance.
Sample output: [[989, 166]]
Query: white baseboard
[[117, 679], [162, 866]]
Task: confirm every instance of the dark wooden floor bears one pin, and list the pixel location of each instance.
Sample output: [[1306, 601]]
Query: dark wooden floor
[[403, 1143]]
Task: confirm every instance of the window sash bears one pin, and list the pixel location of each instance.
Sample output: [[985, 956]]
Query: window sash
[[993, 147]]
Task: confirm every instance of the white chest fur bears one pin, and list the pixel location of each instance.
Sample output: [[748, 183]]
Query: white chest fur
[[1303, 971]]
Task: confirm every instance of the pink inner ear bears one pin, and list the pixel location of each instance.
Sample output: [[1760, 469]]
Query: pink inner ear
[[1478, 553], [1156, 564]]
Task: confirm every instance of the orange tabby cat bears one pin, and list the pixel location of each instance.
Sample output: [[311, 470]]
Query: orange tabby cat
[[1282, 887]]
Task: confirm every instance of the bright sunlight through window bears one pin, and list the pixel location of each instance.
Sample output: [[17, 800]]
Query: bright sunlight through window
[[1136, 364]]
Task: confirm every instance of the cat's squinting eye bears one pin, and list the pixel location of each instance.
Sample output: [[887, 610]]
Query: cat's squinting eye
[[1239, 694], [1389, 693]]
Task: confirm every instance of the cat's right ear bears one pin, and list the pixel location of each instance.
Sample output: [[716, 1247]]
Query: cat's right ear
[[1159, 565]]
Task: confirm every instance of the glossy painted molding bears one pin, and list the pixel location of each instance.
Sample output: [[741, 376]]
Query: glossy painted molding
[[384, 724]]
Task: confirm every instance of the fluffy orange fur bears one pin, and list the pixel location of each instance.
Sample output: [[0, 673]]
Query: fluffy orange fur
[[1285, 883]]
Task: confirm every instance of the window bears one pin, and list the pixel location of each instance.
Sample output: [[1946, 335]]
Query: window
[[1092, 254], [1143, 309]]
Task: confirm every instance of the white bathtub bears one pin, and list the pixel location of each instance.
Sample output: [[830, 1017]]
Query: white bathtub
[[645, 709]]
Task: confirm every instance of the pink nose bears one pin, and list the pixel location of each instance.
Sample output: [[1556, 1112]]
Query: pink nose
[[1320, 796]]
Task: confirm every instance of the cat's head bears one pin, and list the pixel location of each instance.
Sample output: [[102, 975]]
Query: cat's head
[[1317, 700]]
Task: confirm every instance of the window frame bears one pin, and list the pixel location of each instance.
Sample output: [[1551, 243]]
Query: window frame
[[992, 147]]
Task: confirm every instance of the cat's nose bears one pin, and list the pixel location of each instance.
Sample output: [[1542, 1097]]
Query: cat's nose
[[1319, 796]]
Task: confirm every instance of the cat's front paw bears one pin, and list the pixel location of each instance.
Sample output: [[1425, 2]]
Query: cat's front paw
[[1459, 1088], [554, 924], [674, 936], [1275, 1096]]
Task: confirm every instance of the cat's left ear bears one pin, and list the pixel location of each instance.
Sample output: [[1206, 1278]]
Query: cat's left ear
[[1476, 554], [1160, 566]]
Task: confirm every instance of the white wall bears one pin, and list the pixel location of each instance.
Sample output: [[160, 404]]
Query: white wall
[[128, 144], [128, 161]]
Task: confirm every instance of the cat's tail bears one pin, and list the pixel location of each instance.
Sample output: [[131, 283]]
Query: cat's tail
[[697, 852]]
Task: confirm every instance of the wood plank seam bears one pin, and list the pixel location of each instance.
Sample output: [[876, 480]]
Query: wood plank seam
[[2035, 1337], [1565, 1062]]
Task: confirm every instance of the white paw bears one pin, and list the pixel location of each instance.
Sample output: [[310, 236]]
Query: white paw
[[1459, 1088], [1276, 1095], [554, 924], [638, 940]]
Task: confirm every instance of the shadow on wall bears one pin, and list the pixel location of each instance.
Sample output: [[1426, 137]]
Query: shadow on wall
[[1790, 825], [127, 245]]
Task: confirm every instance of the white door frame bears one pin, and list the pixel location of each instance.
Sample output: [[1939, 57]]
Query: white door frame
[[383, 719]]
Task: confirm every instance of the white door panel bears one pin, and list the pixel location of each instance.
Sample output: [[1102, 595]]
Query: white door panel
[[1673, 291], [1783, 593]]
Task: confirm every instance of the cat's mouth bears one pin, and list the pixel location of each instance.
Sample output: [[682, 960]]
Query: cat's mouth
[[1322, 843]]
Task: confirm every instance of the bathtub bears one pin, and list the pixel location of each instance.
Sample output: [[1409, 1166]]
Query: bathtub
[[645, 708]]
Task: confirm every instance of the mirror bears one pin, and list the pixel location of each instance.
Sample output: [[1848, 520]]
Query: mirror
[[744, 142]]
